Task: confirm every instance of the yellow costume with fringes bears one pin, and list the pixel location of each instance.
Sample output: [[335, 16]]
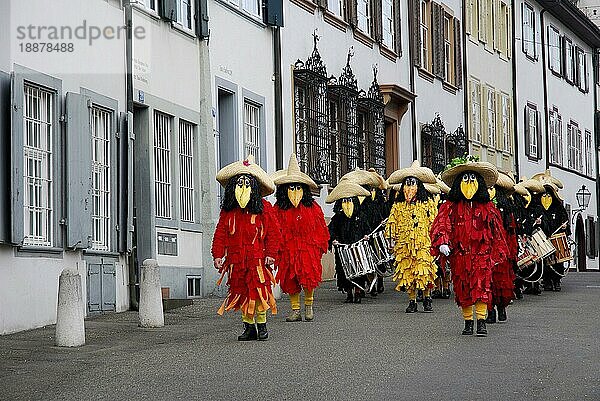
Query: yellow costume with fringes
[[408, 225]]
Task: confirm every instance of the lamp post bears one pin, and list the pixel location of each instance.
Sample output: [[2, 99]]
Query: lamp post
[[583, 197]]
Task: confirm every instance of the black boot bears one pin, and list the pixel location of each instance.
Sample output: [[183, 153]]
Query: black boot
[[380, 285], [491, 317], [446, 293], [468, 330], [349, 298], [427, 305], [481, 330], [412, 306], [518, 293], [249, 333], [556, 285], [263, 335], [548, 285], [536, 289], [436, 294], [501, 314], [420, 296], [357, 296]]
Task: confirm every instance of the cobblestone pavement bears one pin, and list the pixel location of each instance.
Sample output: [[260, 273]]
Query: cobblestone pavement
[[548, 350]]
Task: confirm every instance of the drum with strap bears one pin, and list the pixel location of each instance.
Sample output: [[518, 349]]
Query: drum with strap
[[541, 244]]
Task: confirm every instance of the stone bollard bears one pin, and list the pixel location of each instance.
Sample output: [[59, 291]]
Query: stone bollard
[[70, 329], [151, 307]]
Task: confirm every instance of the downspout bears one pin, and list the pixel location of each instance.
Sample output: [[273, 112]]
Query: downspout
[[465, 74], [278, 97], [514, 84], [545, 77], [413, 111], [132, 263], [595, 68]]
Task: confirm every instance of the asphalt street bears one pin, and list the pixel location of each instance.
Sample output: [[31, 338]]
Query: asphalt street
[[548, 350]]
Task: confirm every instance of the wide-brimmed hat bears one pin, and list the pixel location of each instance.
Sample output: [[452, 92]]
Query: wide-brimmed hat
[[547, 176], [423, 174], [548, 185], [533, 186], [383, 184], [249, 167], [432, 188], [293, 175], [521, 190], [362, 177], [505, 182], [346, 189], [488, 171], [442, 186]]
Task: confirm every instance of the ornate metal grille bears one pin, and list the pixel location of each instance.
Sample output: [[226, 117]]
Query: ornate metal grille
[[313, 142], [438, 147], [456, 144], [372, 128], [343, 93]]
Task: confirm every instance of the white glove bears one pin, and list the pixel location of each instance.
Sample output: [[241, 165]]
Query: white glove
[[445, 249]]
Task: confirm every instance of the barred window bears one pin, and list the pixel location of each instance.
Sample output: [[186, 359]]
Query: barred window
[[556, 138], [162, 165], [38, 131], [101, 169], [186, 171], [252, 131]]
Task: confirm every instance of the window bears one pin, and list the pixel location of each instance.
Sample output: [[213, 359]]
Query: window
[[184, 13], [489, 22], [424, 32], [337, 7], [476, 111], [364, 16], [252, 7], [150, 4], [252, 130], [533, 138], [389, 37], [101, 170], [506, 124], [186, 171], [491, 117], [472, 25], [38, 132], [589, 154], [502, 26], [574, 147], [482, 19], [448, 53], [581, 69], [194, 285], [556, 138], [554, 50], [569, 72], [528, 36], [162, 165]]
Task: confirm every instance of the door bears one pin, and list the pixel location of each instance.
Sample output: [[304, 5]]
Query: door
[[101, 287], [580, 240], [227, 135]]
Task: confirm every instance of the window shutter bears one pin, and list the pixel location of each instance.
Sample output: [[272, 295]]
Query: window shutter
[[201, 18], [79, 172], [398, 27], [523, 38], [538, 129], [497, 25], [351, 14], [168, 10], [437, 31], [469, 15], [586, 74], [416, 34], [511, 128], [376, 10], [499, 132], [471, 128], [509, 37], [458, 74], [527, 132], [483, 114], [475, 18], [5, 168], [16, 151]]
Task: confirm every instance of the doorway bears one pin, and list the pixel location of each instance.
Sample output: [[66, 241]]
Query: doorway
[[580, 240], [226, 134]]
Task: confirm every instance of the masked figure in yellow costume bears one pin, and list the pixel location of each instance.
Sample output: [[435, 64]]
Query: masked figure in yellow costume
[[408, 225]]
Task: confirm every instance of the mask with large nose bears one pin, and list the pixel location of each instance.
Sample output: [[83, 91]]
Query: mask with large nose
[[527, 198], [348, 207], [492, 192], [469, 185], [295, 194], [410, 188], [546, 201], [243, 190]]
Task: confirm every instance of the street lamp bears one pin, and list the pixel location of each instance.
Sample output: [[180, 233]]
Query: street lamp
[[583, 198]]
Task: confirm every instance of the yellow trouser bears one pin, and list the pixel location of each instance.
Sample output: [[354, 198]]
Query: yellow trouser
[[412, 293], [480, 311], [261, 317], [309, 297]]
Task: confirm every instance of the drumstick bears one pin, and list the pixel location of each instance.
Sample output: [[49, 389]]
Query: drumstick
[[563, 225]]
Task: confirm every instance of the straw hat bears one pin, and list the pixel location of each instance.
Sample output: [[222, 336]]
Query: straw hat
[[424, 174], [293, 174], [521, 190], [505, 181], [442, 186], [531, 185], [247, 166], [362, 177], [548, 185], [547, 176], [346, 189], [488, 171], [383, 184], [432, 188]]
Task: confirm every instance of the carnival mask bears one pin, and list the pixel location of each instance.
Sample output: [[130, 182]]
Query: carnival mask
[[492, 192], [243, 189], [469, 185], [546, 201], [410, 188], [348, 207], [436, 199], [295, 194], [373, 193], [527, 198]]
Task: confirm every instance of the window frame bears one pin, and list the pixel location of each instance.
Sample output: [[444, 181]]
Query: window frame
[[506, 123], [574, 152], [588, 145], [191, 9], [191, 157], [425, 30], [554, 49], [168, 165], [390, 20], [569, 60], [531, 110], [475, 112], [365, 17], [556, 137], [492, 139], [193, 278], [530, 40]]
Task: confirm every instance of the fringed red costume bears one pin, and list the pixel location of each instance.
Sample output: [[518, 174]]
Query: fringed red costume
[[503, 274], [245, 240], [305, 239], [474, 233]]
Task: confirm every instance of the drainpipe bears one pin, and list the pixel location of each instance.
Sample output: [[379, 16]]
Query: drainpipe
[[465, 74], [514, 88], [413, 111], [278, 98], [132, 262], [545, 77], [595, 67]]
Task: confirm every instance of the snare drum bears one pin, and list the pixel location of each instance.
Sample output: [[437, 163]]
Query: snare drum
[[357, 259], [526, 255], [541, 244], [563, 253], [381, 248]]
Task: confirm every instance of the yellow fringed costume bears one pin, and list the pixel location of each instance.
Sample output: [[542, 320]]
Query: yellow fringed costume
[[408, 225]]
